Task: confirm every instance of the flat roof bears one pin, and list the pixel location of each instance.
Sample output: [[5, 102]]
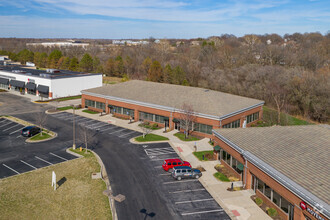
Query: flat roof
[[301, 153], [15, 69], [203, 101]]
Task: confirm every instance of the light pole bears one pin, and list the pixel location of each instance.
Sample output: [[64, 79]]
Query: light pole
[[74, 129]]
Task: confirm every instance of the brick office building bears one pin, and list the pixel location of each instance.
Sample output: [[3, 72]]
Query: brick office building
[[162, 103], [288, 167]]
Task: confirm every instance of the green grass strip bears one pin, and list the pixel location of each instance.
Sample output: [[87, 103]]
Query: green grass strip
[[151, 137], [90, 112], [199, 154], [39, 137], [221, 177], [181, 136]]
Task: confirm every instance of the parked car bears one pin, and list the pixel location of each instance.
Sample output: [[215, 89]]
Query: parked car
[[170, 163], [185, 172], [30, 131]]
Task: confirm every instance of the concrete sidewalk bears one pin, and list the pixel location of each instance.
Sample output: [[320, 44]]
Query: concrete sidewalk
[[237, 204]]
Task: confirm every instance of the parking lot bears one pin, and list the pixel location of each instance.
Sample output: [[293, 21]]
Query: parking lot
[[18, 157], [188, 196], [98, 126]]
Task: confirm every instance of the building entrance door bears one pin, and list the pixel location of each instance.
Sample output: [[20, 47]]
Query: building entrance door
[[177, 126]]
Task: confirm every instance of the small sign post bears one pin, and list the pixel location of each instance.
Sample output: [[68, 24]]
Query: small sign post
[[54, 180]]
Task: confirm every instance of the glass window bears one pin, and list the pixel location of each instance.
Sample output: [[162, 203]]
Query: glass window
[[174, 163], [100, 105], [234, 163], [276, 198], [228, 159], [284, 205], [184, 171], [252, 117], [268, 191], [203, 128], [234, 124], [260, 185], [224, 155], [189, 171]]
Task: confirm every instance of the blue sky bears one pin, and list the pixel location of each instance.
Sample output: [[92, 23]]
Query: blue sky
[[115, 19]]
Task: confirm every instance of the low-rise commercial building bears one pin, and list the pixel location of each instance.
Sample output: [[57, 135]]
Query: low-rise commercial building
[[288, 167], [163, 104], [46, 83]]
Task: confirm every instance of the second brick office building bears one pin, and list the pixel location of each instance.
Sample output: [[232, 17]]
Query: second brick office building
[[162, 103]]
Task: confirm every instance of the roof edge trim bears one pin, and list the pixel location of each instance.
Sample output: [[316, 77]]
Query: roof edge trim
[[289, 184]]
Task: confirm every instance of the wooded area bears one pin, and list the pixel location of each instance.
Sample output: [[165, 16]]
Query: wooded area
[[291, 73]]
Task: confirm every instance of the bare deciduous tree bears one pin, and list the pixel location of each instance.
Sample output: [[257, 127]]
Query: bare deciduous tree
[[86, 136], [187, 118], [145, 127], [41, 119]]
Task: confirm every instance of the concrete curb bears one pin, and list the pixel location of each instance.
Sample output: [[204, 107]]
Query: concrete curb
[[107, 182], [73, 153], [149, 142], [38, 141]]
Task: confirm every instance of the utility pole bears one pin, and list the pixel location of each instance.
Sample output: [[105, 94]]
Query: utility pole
[[74, 129]]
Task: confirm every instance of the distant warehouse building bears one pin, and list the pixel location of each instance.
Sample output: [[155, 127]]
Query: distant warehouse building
[[287, 167], [162, 104], [49, 83]]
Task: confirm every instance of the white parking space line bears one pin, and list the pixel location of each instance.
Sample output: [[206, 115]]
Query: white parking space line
[[179, 181], [43, 160], [85, 122], [118, 131], [158, 167], [107, 128], [197, 200], [6, 124], [18, 136], [165, 174], [57, 156], [100, 126], [80, 119], [10, 168], [28, 164], [161, 159], [127, 134], [64, 116], [201, 212], [15, 131], [188, 190], [94, 125], [11, 127], [4, 120], [159, 151]]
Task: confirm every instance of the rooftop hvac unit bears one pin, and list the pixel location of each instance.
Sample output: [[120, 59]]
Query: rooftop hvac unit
[[52, 71], [18, 71], [44, 75]]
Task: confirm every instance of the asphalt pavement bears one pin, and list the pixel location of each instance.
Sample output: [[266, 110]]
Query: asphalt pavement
[[134, 170]]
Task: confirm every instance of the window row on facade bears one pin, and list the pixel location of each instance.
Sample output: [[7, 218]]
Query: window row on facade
[[272, 195], [232, 162], [234, 124], [94, 104], [252, 117]]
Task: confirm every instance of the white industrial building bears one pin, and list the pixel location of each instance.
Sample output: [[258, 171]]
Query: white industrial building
[[46, 83]]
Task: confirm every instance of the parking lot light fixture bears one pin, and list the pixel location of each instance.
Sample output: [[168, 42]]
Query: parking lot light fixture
[[74, 128]]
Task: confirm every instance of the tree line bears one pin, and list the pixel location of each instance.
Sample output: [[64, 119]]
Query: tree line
[[291, 73]]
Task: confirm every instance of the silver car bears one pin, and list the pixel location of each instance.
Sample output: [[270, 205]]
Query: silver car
[[185, 172]]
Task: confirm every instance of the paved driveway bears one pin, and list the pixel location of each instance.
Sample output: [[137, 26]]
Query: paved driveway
[[135, 171]]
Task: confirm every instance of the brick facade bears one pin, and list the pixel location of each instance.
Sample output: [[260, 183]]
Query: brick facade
[[171, 115], [250, 169]]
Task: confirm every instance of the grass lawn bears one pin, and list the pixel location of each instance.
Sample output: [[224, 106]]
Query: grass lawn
[[90, 112], [221, 176], [30, 195], [3, 90], [182, 138], [82, 152], [151, 137], [67, 98], [39, 137], [64, 108], [199, 154], [270, 119]]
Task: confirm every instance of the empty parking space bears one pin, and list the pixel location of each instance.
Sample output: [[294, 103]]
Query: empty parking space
[[98, 126], [191, 199], [8, 127], [33, 162]]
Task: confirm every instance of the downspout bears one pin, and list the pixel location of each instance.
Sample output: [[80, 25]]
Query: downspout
[[245, 168]]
